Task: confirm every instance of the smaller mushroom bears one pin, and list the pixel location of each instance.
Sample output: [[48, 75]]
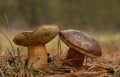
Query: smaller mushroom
[[81, 45], [35, 41]]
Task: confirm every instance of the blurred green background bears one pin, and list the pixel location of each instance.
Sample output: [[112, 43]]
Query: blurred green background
[[78, 14], [99, 18]]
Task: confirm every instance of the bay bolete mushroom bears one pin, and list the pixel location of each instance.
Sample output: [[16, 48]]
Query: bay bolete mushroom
[[35, 41], [81, 45]]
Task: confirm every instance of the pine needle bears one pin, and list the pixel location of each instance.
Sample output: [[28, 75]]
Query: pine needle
[[8, 41]]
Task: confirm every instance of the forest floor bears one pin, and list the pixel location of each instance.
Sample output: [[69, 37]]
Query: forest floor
[[108, 65]]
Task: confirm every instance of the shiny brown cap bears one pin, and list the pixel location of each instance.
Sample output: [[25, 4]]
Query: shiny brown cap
[[81, 42], [41, 35]]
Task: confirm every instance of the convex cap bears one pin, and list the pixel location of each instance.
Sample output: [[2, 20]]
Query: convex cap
[[41, 35], [81, 42]]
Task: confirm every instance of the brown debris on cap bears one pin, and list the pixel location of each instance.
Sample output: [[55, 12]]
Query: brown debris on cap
[[41, 35], [81, 42]]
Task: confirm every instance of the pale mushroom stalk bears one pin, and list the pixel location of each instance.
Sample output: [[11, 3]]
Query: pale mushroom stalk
[[75, 57], [37, 54]]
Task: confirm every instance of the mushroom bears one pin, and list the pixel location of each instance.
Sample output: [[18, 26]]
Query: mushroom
[[35, 41], [80, 45]]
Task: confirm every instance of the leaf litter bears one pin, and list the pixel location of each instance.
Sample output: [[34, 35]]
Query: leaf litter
[[14, 66]]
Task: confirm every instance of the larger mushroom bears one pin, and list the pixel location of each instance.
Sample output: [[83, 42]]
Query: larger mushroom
[[81, 45], [35, 41]]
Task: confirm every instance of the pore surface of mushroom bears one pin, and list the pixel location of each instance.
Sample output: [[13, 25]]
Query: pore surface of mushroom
[[35, 41], [81, 45]]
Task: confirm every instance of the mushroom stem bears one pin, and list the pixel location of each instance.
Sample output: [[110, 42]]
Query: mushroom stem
[[37, 55], [76, 58]]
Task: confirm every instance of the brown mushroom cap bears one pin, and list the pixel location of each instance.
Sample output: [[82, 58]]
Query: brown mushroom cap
[[81, 42], [41, 35]]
